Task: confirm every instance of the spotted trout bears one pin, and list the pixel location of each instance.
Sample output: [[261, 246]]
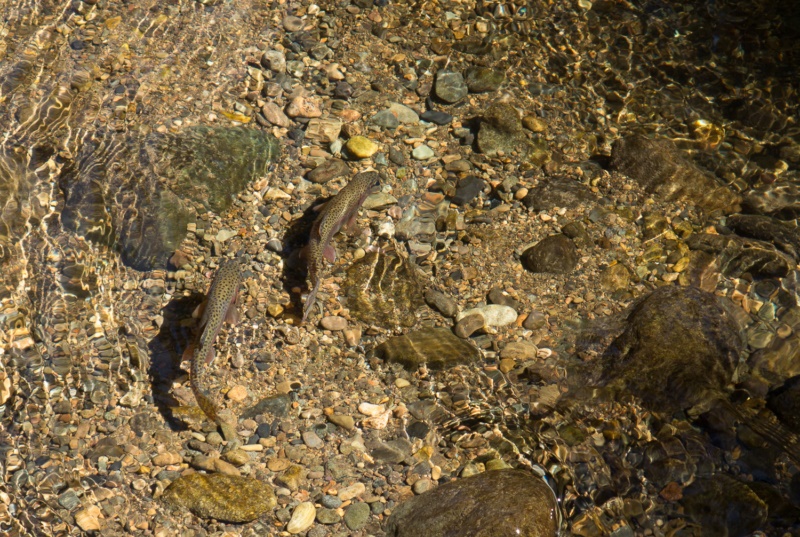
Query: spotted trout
[[339, 211], [220, 306]]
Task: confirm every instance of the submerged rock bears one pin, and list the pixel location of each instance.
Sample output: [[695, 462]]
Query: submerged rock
[[779, 200], [437, 348], [680, 348], [139, 193], [554, 255], [784, 236], [223, 497], [497, 503], [660, 168], [735, 256], [724, 506], [557, 192], [501, 131]]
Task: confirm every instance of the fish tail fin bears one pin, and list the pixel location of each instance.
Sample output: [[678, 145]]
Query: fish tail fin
[[203, 399], [772, 431]]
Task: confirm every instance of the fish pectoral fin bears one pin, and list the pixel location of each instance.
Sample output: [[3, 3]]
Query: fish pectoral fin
[[188, 352], [210, 356], [329, 252], [232, 315], [351, 227]]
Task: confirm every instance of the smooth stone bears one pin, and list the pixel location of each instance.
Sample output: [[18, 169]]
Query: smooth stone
[[328, 170], [562, 192], [483, 79], [490, 504], [292, 23], [274, 60], [468, 325], [501, 131], [499, 296], [275, 115], [555, 254], [441, 303], [468, 189], [422, 152], [519, 351], [379, 199], [385, 119], [393, 451], [304, 107], [436, 347], [494, 315], [615, 277], [275, 405], [357, 515], [302, 518], [534, 321], [333, 323], [312, 440], [323, 131], [223, 497], [345, 422], [404, 114], [330, 502], [361, 147], [450, 86], [662, 169], [436, 117], [328, 516]]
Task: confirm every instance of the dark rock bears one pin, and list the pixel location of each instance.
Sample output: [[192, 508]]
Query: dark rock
[[499, 296], [385, 119], [450, 86], [501, 131], [436, 117], [784, 236], [469, 325], [468, 189], [441, 303], [328, 516], [343, 90], [356, 515], [724, 506], [557, 192], [660, 168], [393, 451], [275, 405], [483, 79], [397, 156], [328, 170], [491, 504], [436, 347], [577, 232], [785, 403], [778, 200], [680, 348], [534, 321], [555, 254], [735, 256]]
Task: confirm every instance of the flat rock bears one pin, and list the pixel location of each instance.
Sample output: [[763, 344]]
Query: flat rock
[[560, 192], [497, 503], [483, 79], [438, 348], [494, 315], [501, 132], [468, 189], [222, 497], [450, 86], [328, 170]]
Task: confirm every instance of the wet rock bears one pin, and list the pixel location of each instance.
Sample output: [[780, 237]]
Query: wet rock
[[384, 289], [437, 348], [385, 119], [356, 515], [737, 256], [333, 323], [328, 170], [302, 518], [724, 506], [273, 113], [534, 321], [785, 403], [225, 498], [557, 192], [404, 114], [555, 254], [441, 303], [323, 131], [501, 297], [468, 325], [615, 277], [660, 168], [275, 405], [304, 107], [274, 61], [436, 117], [483, 79], [519, 351], [500, 502], [144, 199], [501, 131], [784, 236], [494, 315], [359, 147], [422, 152], [393, 451], [777, 200], [468, 189], [450, 86], [680, 348], [89, 519]]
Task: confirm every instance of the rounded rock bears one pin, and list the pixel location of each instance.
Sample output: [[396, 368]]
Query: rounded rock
[[556, 254], [450, 86], [333, 323], [361, 147], [422, 152], [302, 518], [493, 314], [468, 325]]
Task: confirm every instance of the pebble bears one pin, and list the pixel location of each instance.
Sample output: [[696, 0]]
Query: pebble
[[555, 254], [534, 321], [483, 79], [331, 502], [328, 170], [441, 303], [368, 409], [404, 114], [274, 60], [328, 516], [450, 86], [468, 325], [422, 152], [494, 315], [305, 107], [292, 478], [333, 323], [237, 394], [88, 519], [312, 440], [323, 131], [437, 117], [225, 498], [273, 113], [385, 119], [468, 189], [292, 23], [343, 421], [356, 515], [519, 351], [360, 147], [352, 491], [167, 458], [302, 518]]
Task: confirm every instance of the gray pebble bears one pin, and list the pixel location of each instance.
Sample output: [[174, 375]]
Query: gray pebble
[[441, 303], [356, 515], [450, 86]]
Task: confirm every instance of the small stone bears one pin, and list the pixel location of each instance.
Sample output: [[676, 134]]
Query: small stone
[[303, 107], [361, 147], [292, 478], [377, 422], [88, 519], [225, 234], [331, 502], [323, 131], [458, 166], [483, 79], [69, 500], [352, 491], [167, 458], [441, 303], [302, 518], [292, 23], [404, 114], [333, 323], [385, 119], [345, 422], [237, 394], [499, 296], [312, 440], [275, 115], [615, 277], [422, 485], [450, 86], [356, 515], [555, 254], [328, 516], [534, 321], [534, 124], [422, 152], [178, 260], [237, 457], [493, 314], [436, 117], [468, 189], [274, 60], [328, 170], [368, 409], [226, 468], [468, 325], [519, 351], [225, 498]]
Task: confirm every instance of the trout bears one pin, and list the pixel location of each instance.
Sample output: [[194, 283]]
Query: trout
[[220, 306], [340, 211]]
